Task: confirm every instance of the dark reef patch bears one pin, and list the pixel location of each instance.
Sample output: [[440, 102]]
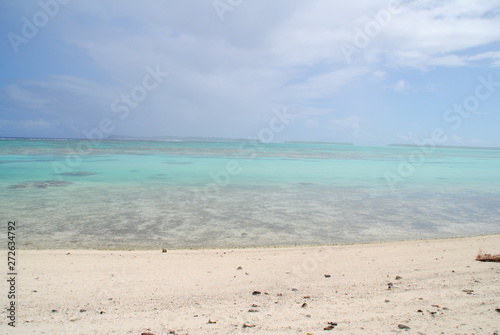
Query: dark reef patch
[[41, 184], [77, 174]]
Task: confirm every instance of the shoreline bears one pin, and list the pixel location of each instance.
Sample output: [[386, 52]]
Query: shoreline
[[429, 286], [265, 247]]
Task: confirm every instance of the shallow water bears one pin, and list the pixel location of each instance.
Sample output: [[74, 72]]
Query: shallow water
[[139, 194]]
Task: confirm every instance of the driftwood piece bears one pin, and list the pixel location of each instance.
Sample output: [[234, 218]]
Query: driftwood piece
[[484, 257]]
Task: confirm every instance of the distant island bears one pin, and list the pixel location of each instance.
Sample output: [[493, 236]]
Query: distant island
[[172, 138], [312, 142], [443, 146]]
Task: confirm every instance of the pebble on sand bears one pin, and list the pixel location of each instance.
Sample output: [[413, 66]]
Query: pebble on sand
[[330, 326]]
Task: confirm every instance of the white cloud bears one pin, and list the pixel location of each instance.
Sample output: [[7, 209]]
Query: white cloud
[[401, 86], [350, 124]]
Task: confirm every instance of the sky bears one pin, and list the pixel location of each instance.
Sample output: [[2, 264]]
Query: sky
[[367, 72]]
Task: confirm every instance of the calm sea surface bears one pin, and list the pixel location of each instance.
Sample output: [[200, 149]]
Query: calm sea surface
[[142, 194]]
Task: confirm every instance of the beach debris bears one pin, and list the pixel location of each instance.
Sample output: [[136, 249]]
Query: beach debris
[[468, 291], [331, 325], [212, 321], [484, 257], [83, 310], [239, 268], [307, 297], [402, 326], [327, 276], [255, 292], [304, 305], [247, 325], [399, 277], [390, 286], [147, 333], [253, 310], [164, 250]]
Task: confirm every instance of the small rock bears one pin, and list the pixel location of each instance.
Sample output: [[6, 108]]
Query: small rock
[[390, 286], [164, 250], [401, 326], [307, 297], [304, 305], [147, 333], [497, 309], [253, 310], [239, 268], [420, 311], [387, 300], [327, 276], [211, 321], [247, 325], [294, 290], [102, 312], [330, 326], [54, 311], [399, 277], [254, 305], [82, 310], [255, 292], [468, 291]]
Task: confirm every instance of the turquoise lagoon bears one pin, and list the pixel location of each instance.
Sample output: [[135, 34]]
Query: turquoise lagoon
[[153, 194]]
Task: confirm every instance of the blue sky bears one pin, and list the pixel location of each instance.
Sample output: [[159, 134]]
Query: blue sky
[[371, 73]]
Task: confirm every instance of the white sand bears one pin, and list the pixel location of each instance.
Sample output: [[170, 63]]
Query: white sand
[[131, 292]]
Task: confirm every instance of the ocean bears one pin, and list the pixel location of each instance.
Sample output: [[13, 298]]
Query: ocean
[[175, 194]]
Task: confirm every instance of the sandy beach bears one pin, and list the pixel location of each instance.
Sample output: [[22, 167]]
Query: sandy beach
[[409, 287]]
